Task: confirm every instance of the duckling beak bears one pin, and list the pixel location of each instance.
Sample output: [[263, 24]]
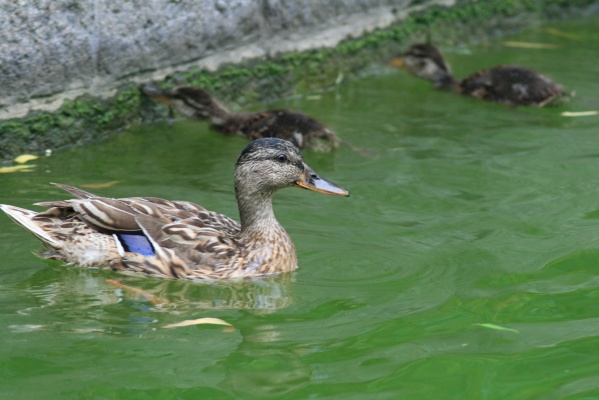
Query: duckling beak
[[156, 94], [397, 62], [310, 180]]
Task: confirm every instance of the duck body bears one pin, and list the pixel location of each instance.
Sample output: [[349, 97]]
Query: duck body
[[300, 129], [180, 239], [512, 85]]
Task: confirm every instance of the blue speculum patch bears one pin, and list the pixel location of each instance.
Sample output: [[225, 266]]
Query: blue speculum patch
[[136, 244]]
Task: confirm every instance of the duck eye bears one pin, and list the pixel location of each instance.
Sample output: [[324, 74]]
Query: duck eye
[[282, 157]]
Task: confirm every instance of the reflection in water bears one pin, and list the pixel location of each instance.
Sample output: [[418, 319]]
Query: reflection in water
[[264, 365], [261, 295], [86, 301]]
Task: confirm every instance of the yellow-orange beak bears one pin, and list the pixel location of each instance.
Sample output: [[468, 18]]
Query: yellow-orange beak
[[156, 94], [397, 62], [311, 181]]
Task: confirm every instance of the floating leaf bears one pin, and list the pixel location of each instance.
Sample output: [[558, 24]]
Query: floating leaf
[[101, 185], [17, 168], [498, 328], [530, 45], [199, 321], [26, 328], [557, 32], [23, 158], [579, 113], [154, 299]]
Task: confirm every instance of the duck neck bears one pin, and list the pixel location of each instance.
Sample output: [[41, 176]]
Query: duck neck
[[445, 81], [218, 115], [270, 247], [256, 214]]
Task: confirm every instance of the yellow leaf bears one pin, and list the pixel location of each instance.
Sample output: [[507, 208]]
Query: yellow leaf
[[17, 168], [23, 158], [557, 32], [154, 299], [579, 113], [199, 321], [101, 185], [529, 45]]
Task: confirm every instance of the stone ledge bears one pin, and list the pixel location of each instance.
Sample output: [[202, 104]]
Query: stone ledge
[[92, 76], [245, 69]]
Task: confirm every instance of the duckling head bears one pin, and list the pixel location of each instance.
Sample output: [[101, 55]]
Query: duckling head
[[202, 104], [425, 61]]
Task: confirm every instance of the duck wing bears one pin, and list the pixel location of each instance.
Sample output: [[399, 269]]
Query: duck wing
[[176, 239], [196, 247]]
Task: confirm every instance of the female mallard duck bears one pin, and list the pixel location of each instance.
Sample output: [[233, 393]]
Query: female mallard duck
[[179, 239], [303, 131], [510, 85]]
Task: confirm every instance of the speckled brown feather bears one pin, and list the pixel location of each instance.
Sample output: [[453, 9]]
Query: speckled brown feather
[[180, 239], [299, 129], [191, 245], [67, 238], [510, 85], [302, 130]]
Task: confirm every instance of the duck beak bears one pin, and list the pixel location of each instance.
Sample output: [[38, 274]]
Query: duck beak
[[397, 62], [310, 180], [156, 94]]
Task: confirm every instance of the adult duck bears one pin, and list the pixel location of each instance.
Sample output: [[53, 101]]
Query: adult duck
[[510, 85], [180, 239], [302, 130]]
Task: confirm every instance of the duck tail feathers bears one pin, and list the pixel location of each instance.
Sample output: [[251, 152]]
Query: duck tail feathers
[[25, 218]]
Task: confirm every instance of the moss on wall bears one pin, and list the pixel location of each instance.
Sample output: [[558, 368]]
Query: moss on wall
[[90, 119]]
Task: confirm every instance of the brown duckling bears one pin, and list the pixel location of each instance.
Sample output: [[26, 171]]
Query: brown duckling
[[303, 131], [510, 85], [180, 239]]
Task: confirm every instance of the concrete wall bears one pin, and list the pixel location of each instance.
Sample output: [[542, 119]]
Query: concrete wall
[[69, 69], [56, 49]]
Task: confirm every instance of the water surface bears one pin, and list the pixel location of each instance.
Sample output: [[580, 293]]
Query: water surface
[[464, 264]]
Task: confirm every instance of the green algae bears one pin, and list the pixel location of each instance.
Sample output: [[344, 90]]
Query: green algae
[[89, 119], [77, 122]]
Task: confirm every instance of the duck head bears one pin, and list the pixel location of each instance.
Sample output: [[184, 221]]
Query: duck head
[[202, 103], [269, 164], [191, 101], [425, 61]]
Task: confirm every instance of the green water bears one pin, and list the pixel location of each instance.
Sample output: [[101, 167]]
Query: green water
[[465, 264]]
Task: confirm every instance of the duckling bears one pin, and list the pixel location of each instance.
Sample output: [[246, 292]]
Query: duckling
[[180, 239], [303, 131], [510, 85]]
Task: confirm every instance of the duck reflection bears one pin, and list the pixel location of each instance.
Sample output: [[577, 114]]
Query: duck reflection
[[264, 364], [105, 302], [262, 295]]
